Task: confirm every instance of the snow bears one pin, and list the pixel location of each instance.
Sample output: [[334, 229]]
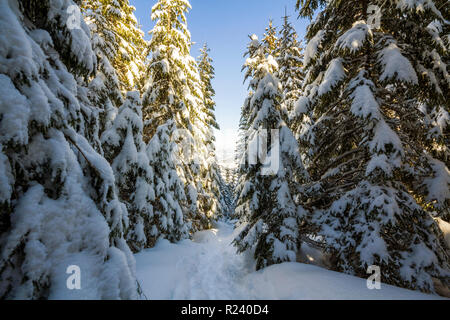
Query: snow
[[208, 267], [335, 72], [16, 52], [379, 162], [445, 228], [364, 103], [434, 29], [419, 6], [395, 65], [96, 160], [42, 37], [438, 186], [6, 178], [313, 46], [72, 30], [225, 144]]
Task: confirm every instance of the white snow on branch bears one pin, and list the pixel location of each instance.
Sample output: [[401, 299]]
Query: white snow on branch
[[385, 136], [313, 46], [335, 72], [438, 186], [15, 112], [364, 104]]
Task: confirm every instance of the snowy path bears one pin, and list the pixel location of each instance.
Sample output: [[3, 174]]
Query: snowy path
[[209, 268]]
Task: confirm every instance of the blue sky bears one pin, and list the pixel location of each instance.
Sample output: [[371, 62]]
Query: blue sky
[[225, 26]]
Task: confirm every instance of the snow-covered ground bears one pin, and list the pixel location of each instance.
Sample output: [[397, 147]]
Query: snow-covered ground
[[209, 268], [226, 140]]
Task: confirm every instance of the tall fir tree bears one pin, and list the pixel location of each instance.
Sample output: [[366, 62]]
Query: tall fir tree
[[166, 92], [59, 204], [207, 74], [229, 185], [130, 60], [265, 202], [126, 151], [101, 21], [253, 50], [366, 141], [271, 40]]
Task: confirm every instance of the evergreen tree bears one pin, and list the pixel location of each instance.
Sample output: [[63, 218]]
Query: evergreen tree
[[105, 86], [170, 200], [119, 44], [366, 139], [206, 71], [125, 150], [253, 49], [265, 196], [167, 95], [115, 37], [59, 206], [104, 90], [229, 185], [164, 92], [173, 91], [290, 63], [212, 179]]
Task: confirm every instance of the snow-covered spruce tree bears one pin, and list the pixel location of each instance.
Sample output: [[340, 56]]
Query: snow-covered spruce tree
[[430, 44], [59, 206], [290, 62], [200, 165], [366, 139], [125, 149], [170, 199], [212, 180], [173, 91], [265, 195]]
